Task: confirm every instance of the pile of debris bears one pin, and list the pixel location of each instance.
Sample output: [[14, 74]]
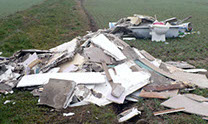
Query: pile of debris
[[99, 68], [141, 26]]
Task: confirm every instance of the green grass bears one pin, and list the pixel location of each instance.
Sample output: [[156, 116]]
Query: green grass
[[190, 48], [25, 109], [42, 26], [8, 7]]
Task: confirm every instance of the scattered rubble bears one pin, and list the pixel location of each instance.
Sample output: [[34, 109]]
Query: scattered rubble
[[99, 68], [9, 101], [141, 26]]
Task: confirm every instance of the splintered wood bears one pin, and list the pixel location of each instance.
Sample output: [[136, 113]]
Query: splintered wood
[[169, 111], [159, 95]]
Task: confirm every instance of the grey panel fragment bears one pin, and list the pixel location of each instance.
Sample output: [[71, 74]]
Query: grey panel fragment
[[57, 93]]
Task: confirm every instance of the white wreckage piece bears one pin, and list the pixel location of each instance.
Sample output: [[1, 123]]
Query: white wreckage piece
[[62, 53], [132, 81], [78, 77], [128, 114], [9, 75], [109, 48], [190, 105], [68, 114]]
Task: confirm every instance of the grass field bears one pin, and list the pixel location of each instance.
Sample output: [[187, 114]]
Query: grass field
[[8, 7], [42, 26], [26, 111], [192, 48]]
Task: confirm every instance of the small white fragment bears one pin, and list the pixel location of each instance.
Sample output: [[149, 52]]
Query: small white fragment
[[7, 101], [198, 32], [6, 92], [126, 115], [129, 38], [68, 114], [11, 92], [129, 98], [195, 70], [157, 62]]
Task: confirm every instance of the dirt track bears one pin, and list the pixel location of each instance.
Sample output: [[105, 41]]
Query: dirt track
[[92, 23]]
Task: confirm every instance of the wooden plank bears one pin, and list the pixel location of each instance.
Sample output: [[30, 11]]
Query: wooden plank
[[163, 87], [169, 111], [107, 72], [34, 63], [159, 95]]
